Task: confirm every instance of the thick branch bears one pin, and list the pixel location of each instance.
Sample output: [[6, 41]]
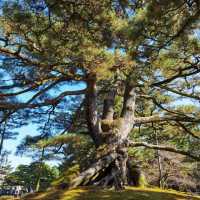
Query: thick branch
[[127, 111], [34, 62], [180, 74], [19, 92], [129, 102], [187, 130], [92, 117], [108, 109], [164, 148], [47, 102], [157, 118], [192, 96], [153, 99], [23, 58], [34, 86]]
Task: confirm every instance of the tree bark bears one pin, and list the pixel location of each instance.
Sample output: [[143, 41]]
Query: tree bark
[[165, 148], [37, 188], [2, 133], [93, 121], [108, 109], [112, 168], [85, 177], [128, 111]]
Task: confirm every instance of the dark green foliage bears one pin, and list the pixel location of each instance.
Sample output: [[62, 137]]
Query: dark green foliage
[[27, 175]]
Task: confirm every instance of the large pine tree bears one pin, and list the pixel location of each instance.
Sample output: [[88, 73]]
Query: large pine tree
[[128, 61]]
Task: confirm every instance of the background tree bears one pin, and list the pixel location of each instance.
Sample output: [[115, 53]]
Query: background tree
[[7, 132], [26, 175], [5, 167]]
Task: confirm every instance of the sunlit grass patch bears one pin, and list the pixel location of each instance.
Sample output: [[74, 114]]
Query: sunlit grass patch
[[92, 193], [8, 198]]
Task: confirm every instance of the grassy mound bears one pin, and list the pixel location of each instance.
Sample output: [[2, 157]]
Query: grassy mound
[[88, 193], [8, 198]]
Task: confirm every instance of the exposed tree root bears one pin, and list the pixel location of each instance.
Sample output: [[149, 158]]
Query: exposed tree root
[[85, 177], [113, 170]]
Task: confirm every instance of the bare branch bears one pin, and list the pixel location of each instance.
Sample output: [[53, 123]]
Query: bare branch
[[164, 148], [129, 102], [108, 108], [158, 118], [180, 74], [47, 102], [92, 117], [181, 93], [23, 58], [187, 130]]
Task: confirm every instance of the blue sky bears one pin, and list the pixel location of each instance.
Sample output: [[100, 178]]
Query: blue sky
[[11, 145]]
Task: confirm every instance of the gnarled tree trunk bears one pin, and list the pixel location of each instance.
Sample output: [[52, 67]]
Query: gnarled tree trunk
[[113, 167]]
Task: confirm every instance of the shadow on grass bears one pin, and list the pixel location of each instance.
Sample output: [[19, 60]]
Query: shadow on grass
[[49, 195], [101, 194]]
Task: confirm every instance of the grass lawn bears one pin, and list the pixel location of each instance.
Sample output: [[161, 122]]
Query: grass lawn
[[91, 193], [8, 198]]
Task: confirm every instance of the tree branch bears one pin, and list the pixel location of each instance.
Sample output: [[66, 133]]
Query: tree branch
[[187, 130], [129, 102], [178, 75], [164, 148], [23, 58], [47, 102], [158, 118], [181, 93], [93, 121], [108, 108]]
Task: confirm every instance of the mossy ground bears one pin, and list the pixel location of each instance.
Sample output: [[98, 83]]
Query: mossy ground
[[8, 198], [91, 193]]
